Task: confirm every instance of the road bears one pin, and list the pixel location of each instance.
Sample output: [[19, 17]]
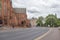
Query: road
[[53, 35], [23, 34]]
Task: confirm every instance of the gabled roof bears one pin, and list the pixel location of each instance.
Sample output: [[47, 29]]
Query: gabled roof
[[19, 10]]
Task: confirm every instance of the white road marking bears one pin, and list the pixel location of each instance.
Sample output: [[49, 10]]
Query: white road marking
[[39, 38]]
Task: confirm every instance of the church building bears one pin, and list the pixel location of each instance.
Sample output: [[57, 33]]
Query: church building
[[13, 17]]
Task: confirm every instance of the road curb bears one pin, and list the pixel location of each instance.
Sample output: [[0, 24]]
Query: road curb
[[39, 38]]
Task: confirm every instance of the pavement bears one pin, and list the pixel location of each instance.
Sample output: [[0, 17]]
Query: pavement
[[53, 35], [23, 33]]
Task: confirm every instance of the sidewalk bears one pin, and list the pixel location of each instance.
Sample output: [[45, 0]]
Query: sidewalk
[[4, 29], [7, 29], [53, 35]]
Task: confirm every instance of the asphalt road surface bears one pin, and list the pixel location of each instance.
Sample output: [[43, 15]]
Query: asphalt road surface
[[23, 34], [53, 35]]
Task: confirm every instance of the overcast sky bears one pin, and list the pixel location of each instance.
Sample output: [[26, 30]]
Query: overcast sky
[[36, 8]]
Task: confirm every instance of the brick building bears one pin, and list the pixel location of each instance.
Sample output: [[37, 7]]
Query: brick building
[[13, 16]]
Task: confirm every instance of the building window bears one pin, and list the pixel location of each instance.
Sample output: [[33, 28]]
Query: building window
[[1, 22], [23, 22]]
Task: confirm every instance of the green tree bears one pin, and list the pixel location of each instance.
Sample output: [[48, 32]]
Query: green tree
[[51, 20], [39, 21], [58, 22]]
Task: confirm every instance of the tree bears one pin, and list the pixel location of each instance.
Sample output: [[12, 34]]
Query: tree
[[58, 22], [51, 20], [40, 21]]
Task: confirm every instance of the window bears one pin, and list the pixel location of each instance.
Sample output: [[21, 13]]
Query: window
[[1, 22]]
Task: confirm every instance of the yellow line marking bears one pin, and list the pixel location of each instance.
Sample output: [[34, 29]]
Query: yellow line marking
[[39, 38]]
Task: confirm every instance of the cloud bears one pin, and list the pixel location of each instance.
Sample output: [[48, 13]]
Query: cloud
[[38, 8]]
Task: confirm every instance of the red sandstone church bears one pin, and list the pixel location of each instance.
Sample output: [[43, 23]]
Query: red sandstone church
[[12, 16]]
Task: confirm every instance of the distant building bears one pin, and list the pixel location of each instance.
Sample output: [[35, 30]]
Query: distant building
[[33, 22]]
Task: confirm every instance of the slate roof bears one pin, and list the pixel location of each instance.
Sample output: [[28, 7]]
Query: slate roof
[[19, 10]]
